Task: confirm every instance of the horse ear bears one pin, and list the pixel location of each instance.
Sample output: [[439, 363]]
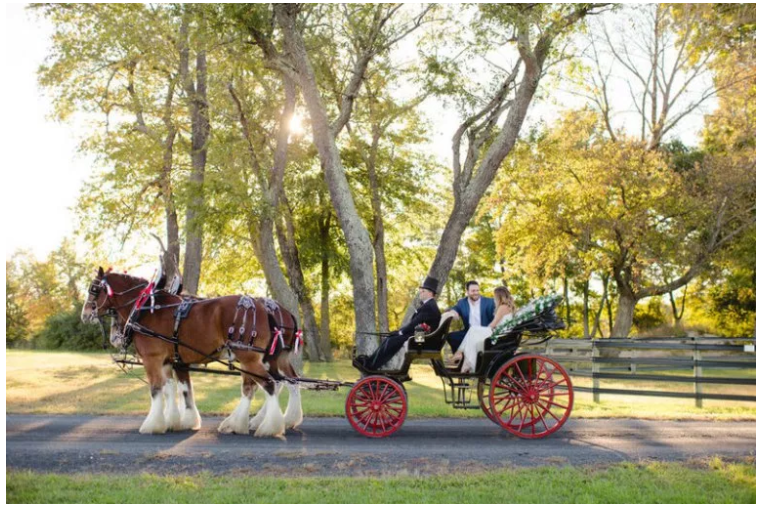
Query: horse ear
[[100, 271]]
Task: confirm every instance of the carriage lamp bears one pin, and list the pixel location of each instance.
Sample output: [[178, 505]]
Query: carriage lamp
[[420, 331]]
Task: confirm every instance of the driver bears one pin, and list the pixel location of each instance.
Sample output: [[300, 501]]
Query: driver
[[427, 313]]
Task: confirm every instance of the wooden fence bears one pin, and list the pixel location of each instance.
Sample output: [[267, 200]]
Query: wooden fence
[[630, 359]]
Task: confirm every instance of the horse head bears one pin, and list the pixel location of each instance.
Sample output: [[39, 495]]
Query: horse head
[[108, 292]]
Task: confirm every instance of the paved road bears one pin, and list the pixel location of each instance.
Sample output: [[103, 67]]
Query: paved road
[[329, 446]]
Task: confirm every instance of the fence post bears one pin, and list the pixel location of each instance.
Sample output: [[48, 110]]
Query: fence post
[[595, 370], [697, 371]]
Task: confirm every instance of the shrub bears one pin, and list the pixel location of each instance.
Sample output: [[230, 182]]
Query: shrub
[[65, 330]]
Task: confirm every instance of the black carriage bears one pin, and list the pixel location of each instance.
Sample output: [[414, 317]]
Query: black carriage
[[527, 394]]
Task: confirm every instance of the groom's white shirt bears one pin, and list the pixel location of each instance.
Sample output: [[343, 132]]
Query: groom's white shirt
[[475, 312]]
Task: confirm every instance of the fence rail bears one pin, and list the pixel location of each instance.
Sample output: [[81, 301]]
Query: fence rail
[[599, 354]]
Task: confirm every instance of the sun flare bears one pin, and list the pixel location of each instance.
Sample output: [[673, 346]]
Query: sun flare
[[294, 126]]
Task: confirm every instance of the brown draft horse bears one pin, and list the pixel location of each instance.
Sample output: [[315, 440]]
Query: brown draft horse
[[204, 330]]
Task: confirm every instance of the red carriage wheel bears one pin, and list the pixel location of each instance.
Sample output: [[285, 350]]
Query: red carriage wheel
[[484, 386], [531, 396], [376, 406]]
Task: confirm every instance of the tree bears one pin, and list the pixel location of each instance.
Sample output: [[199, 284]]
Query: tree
[[128, 67], [197, 97], [490, 130], [370, 33], [623, 208], [667, 76], [16, 323]]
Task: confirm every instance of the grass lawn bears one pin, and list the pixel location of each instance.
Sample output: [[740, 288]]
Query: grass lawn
[[715, 482], [89, 383]]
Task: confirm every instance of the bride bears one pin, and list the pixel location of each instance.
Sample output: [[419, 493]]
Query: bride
[[473, 343]]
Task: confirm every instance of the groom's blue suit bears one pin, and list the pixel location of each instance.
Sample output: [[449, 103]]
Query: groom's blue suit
[[463, 309]]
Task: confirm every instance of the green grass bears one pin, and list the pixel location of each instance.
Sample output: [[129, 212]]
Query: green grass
[[716, 482], [89, 383]]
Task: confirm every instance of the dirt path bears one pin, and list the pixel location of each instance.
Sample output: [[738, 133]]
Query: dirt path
[[329, 446]]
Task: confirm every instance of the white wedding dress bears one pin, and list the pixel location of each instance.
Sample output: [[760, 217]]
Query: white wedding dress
[[474, 342]]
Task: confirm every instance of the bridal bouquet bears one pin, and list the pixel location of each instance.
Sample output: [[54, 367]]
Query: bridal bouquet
[[538, 315]]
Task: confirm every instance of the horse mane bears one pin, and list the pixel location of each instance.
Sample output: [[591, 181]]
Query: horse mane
[[127, 278]]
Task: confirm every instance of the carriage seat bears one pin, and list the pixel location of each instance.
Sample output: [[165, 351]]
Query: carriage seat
[[432, 342]]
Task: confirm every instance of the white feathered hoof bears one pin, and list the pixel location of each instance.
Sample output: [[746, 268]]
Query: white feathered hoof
[[191, 419], [273, 424], [257, 420], [237, 423], [293, 421], [173, 418], [233, 425], [171, 409], [294, 415], [154, 424]]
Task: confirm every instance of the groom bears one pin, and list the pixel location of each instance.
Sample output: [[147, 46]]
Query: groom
[[474, 310]]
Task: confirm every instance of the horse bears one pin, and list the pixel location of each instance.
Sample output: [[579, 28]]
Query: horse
[[202, 336]]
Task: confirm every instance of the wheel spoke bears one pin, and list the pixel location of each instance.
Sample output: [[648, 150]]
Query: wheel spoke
[[506, 387], [551, 413], [361, 413], [545, 388], [500, 413], [541, 417], [391, 396], [523, 377], [520, 386]]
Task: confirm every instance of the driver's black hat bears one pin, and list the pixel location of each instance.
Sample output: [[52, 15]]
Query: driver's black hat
[[431, 284]]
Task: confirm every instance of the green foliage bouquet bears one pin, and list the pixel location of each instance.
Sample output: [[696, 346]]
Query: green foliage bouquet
[[538, 315]]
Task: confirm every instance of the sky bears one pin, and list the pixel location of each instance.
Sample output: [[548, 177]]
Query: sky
[[43, 170]]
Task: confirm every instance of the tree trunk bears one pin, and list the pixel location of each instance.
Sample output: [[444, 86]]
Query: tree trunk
[[263, 242], [356, 235], [290, 253], [566, 301], [468, 190], [200, 127], [624, 313], [378, 234], [676, 312], [609, 310], [172, 255], [325, 348], [597, 328], [585, 310]]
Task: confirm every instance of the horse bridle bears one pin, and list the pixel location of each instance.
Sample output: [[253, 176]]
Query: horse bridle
[[95, 289]]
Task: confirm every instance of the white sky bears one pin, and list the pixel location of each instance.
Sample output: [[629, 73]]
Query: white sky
[[43, 172]]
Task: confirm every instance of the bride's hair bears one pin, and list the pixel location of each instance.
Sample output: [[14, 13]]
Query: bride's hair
[[503, 296]]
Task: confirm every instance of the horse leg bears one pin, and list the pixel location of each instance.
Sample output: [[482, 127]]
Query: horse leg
[[237, 422], [258, 418], [273, 423], [171, 410], [191, 418], [294, 414], [155, 423]]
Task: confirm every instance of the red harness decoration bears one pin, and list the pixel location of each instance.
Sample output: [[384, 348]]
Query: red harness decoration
[[278, 335], [299, 340], [143, 296]]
